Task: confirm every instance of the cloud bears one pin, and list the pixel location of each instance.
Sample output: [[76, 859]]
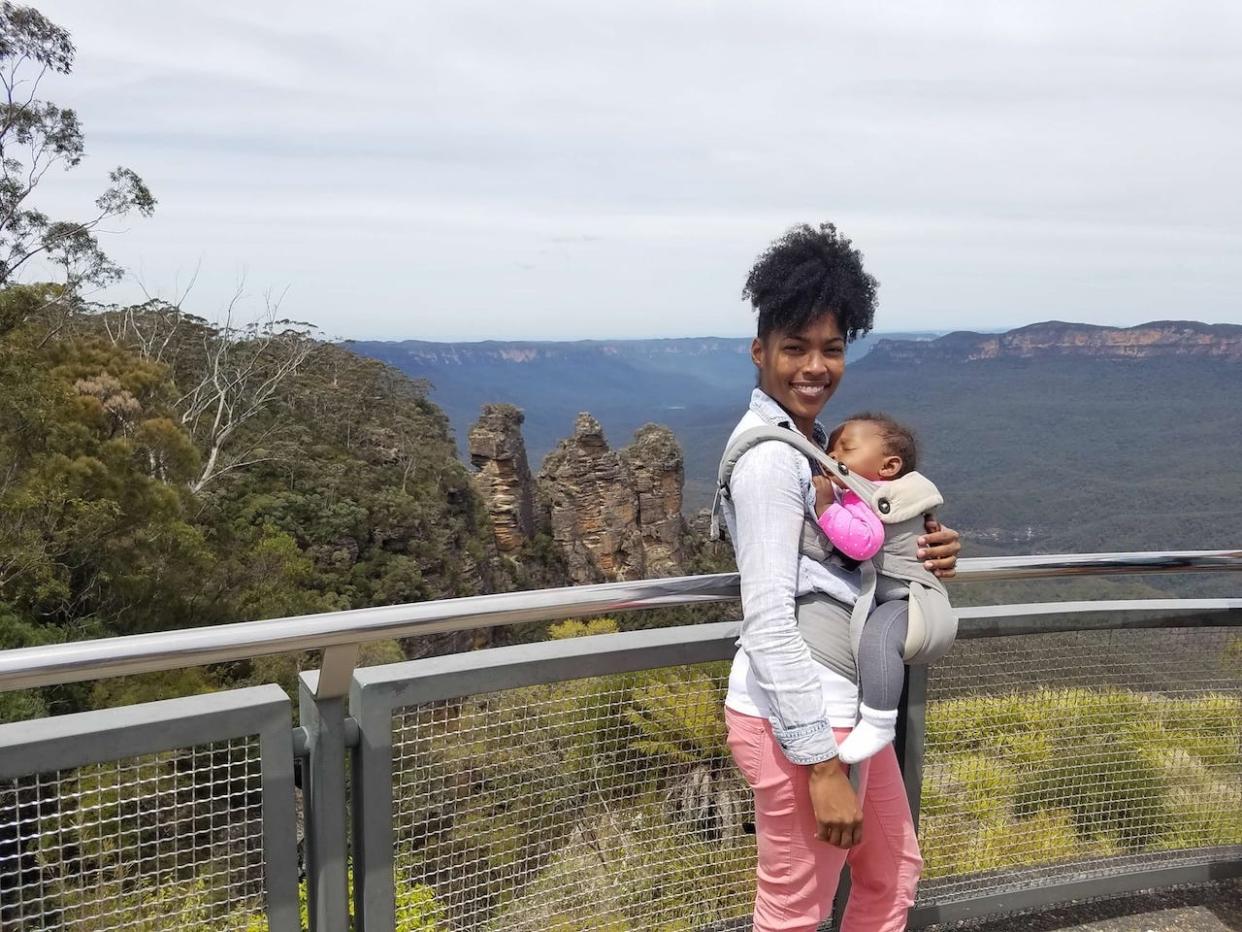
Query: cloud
[[404, 167]]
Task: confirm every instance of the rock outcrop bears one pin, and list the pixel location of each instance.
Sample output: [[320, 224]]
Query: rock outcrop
[[1156, 340], [503, 478], [657, 467], [591, 506], [610, 514]]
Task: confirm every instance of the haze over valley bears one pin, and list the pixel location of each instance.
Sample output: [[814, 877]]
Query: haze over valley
[[1051, 437]]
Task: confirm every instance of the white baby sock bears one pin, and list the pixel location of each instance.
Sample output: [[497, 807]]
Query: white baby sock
[[875, 730]]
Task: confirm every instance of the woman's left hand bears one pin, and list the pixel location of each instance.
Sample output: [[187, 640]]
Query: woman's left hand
[[939, 547]]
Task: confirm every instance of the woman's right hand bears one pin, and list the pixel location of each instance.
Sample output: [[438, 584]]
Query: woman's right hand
[[838, 815]]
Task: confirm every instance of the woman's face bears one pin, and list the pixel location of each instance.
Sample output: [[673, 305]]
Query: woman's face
[[800, 371]]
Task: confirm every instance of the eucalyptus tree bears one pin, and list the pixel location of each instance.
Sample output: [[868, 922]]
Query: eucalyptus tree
[[37, 136]]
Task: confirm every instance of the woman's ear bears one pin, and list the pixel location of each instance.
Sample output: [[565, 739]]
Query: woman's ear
[[891, 467], [756, 356]]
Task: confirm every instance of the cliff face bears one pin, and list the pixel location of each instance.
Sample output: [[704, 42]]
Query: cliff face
[[1159, 339], [611, 515], [503, 478]]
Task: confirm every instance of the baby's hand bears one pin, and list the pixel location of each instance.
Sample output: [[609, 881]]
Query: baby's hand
[[824, 494]]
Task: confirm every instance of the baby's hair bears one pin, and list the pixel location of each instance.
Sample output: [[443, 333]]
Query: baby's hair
[[897, 437]]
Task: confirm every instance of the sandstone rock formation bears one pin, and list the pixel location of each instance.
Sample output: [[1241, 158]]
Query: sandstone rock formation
[[655, 463], [503, 478], [589, 498], [610, 514]]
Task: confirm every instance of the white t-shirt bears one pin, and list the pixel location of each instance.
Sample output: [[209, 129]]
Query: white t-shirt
[[745, 696]]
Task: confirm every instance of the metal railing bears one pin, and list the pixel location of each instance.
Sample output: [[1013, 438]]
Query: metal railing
[[1061, 749]]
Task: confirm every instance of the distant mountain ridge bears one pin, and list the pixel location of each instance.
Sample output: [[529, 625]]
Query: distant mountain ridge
[[1157, 339], [717, 361], [525, 351], [624, 383]]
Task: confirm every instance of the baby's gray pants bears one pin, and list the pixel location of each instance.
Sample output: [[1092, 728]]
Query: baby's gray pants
[[881, 669]]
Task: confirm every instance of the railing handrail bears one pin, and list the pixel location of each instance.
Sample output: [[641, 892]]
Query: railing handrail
[[46, 665]]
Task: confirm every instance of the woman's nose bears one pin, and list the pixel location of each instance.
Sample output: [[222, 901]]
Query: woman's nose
[[816, 363]]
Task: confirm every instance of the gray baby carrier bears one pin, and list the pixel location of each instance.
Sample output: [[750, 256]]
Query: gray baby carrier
[[894, 572]]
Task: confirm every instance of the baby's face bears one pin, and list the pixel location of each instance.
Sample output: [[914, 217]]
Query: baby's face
[[860, 446]]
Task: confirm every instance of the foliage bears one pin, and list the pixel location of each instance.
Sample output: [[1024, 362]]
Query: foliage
[[1056, 774], [574, 628], [677, 717], [626, 776], [94, 527], [36, 136], [194, 904], [354, 496]]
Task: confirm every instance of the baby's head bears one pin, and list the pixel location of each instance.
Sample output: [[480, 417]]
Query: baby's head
[[874, 446]]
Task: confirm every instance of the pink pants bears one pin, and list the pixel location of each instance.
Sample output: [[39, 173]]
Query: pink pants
[[798, 873]]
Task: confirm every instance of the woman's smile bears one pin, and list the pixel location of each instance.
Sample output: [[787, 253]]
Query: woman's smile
[[811, 390]]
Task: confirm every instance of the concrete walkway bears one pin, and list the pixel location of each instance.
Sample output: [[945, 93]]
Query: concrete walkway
[[1215, 907]]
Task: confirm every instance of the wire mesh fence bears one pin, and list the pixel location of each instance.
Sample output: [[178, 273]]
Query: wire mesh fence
[[602, 803], [611, 802], [164, 841], [1062, 757]]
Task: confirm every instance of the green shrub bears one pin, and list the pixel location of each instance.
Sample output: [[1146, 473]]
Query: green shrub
[[986, 786], [626, 872], [975, 724], [1046, 836], [417, 911], [1065, 774], [1101, 769], [573, 628], [1209, 727]]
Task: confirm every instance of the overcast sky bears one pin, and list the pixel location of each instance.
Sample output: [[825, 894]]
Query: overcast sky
[[560, 170]]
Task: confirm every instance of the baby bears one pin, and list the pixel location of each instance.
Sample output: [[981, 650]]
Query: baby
[[878, 448]]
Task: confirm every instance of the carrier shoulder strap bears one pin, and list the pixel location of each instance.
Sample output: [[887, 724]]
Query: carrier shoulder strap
[[876, 496]]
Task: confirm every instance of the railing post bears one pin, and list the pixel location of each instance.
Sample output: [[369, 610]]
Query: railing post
[[375, 895], [911, 734], [911, 729], [323, 791]]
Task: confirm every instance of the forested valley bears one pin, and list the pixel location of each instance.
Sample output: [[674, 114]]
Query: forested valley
[[159, 472]]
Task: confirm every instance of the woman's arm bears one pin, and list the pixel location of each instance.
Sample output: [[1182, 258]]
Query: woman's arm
[[767, 496]]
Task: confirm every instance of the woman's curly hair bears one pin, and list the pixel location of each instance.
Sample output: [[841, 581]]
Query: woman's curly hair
[[808, 272]]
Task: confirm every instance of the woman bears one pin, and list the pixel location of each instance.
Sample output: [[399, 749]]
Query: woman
[[786, 711]]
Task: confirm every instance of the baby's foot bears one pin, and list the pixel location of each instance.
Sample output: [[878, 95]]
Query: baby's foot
[[875, 730]]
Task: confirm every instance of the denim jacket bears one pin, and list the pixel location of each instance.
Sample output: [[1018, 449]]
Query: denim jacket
[[770, 495]]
